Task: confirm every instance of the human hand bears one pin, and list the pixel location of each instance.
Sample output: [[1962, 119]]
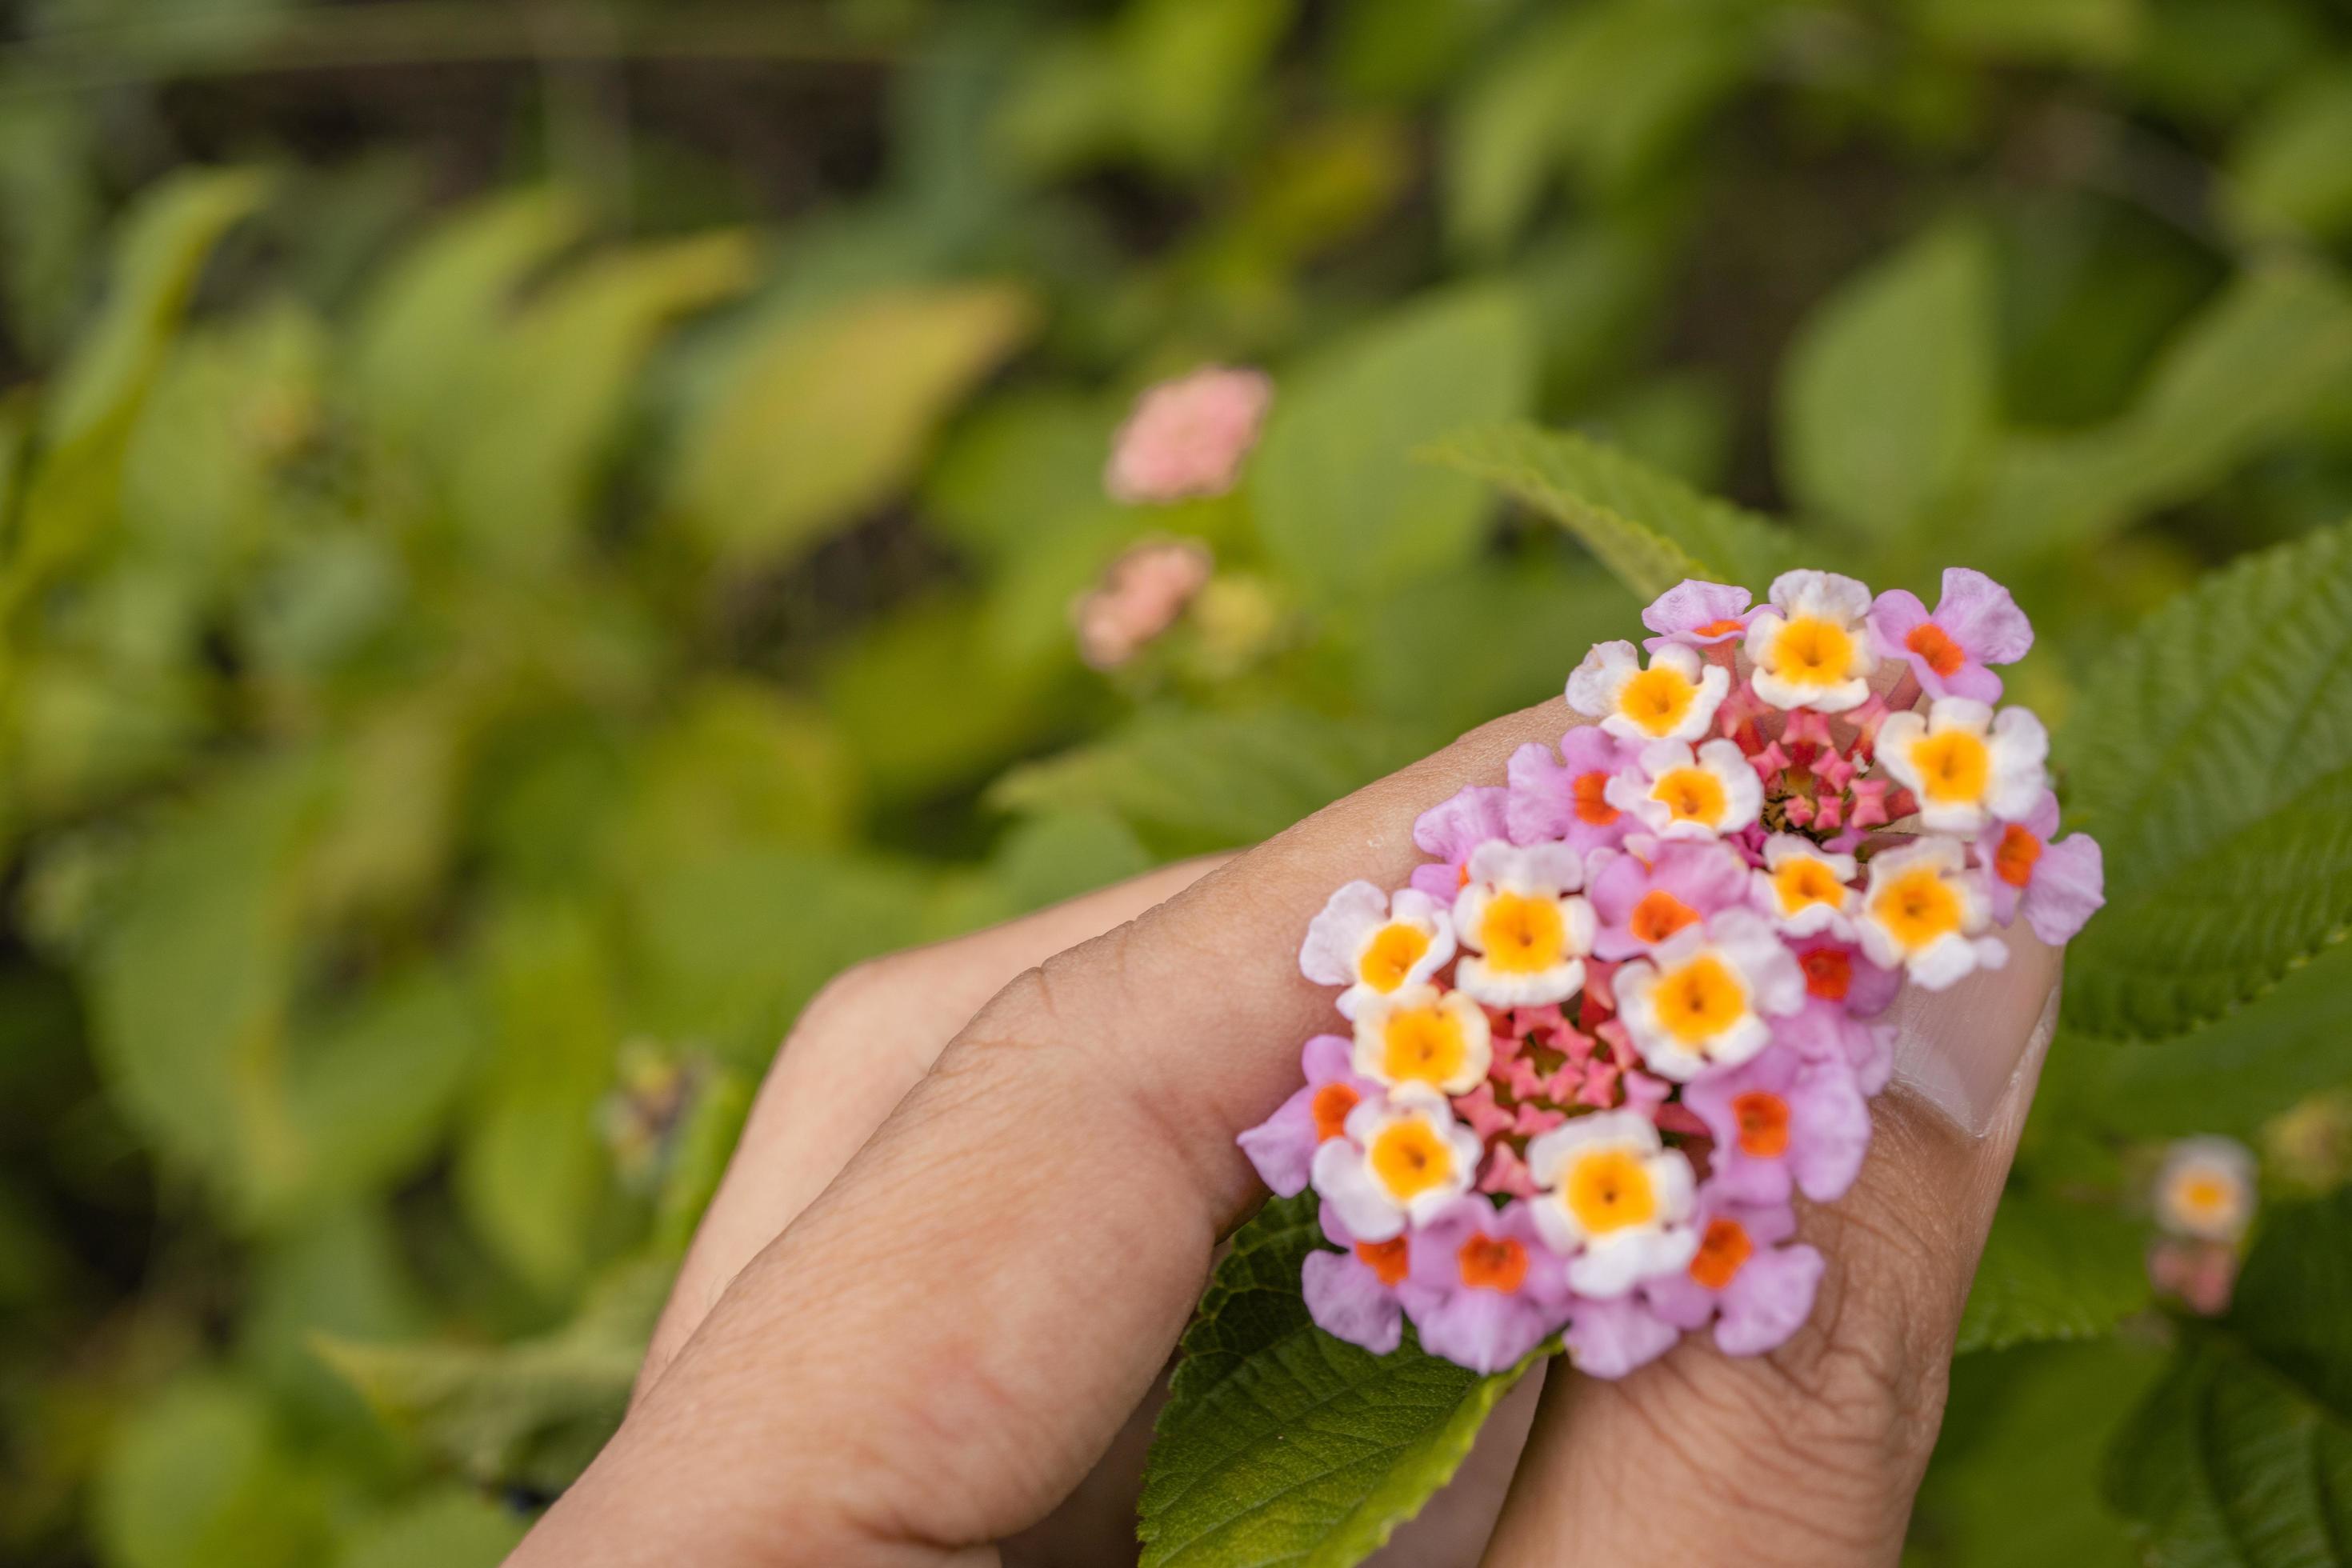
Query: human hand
[[936, 1350]]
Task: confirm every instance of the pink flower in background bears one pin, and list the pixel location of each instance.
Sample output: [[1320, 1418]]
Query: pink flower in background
[[1139, 597], [1186, 438], [1976, 624]]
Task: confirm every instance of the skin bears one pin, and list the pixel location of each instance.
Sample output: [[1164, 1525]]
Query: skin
[[983, 1186]]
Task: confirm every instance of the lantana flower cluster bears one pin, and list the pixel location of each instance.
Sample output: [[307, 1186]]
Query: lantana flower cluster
[[1627, 1015]]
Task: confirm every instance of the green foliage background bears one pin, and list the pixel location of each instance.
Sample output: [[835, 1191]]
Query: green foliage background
[[509, 577]]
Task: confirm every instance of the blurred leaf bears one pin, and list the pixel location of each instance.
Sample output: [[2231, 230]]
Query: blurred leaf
[[2052, 1270], [1886, 396], [1649, 529], [1279, 1443], [50, 207], [529, 1169], [1013, 470], [437, 314], [828, 416], [2015, 1480], [2287, 172], [2074, 32], [1340, 502], [739, 764], [2240, 372], [2214, 759], [557, 379], [189, 982], [449, 1527], [198, 1480], [163, 246], [700, 1147], [1604, 89], [2243, 1454], [341, 1273], [531, 1414], [1193, 782]]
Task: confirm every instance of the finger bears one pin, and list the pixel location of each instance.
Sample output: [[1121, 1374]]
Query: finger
[[1810, 1454], [1052, 1190], [855, 1051]]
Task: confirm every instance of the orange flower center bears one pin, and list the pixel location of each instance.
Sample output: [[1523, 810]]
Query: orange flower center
[[1763, 1121], [2013, 862], [1721, 1253], [1592, 806], [1659, 915], [1331, 1104], [1932, 643], [1492, 1263], [1829, 972], [1386, 1259], [1718, 629]]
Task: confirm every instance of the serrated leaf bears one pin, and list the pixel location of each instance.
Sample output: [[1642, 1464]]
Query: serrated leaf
[[1649, 528], [1887, 395], [1280, 1444], [831, 411], [2052, 1270], [2244, 1455], [1193, 782], [2243, 372], [2213, 761], [1340, 502], [529, 1413]]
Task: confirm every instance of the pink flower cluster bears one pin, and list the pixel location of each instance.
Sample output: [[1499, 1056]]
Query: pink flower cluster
[[1626, 1015]]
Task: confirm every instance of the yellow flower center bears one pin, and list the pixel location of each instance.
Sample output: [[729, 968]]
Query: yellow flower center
[[1522, 935], [1410, 1158], [1424, 1044], [1803, 880], [1390, 956], [1657, 699], [1691, 795], [1917, 908], [1610, 1189], [1812, 650], [1953, 765], [1699, 1000], [2203, 1195]]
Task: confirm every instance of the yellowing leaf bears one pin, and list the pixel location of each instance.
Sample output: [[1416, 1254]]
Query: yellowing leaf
[[829, 414]]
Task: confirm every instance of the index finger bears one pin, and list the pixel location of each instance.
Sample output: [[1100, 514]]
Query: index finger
[[1053, 1190]]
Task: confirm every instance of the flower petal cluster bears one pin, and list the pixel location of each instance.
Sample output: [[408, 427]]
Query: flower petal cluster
[[1624, 1024]]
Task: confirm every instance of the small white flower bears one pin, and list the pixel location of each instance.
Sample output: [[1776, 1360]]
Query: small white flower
[[1403, 1159], [1524, 931], [1809, 646], [1376, 944], [1804, 887], [1923, 910], [2206, 1189], [1422, 1035], [1964, 765], [1704, 996], [1674, 700], [1614, 1199], [1681, 794]]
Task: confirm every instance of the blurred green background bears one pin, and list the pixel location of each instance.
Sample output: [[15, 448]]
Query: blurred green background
[[536, 533]]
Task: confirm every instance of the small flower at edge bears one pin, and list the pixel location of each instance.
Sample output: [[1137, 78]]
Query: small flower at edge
[[1976, 624], [1674, 700], [1376, 944]]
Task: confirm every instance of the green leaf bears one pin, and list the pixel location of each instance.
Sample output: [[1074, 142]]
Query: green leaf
[[1280, 1444], [529, 1413], [1649, 529], [2052, 1270], [1887, 395], [530, 1172], [198, 1478], [830, 414], [1194, 781], [2070, 32], [2288, 174], [1341, 504], [2213, 761], [2242, 1456], [449, 1527], [2242, 373], [163, 243]]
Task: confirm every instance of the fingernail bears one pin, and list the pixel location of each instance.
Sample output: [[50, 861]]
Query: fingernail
[[1960, 1050]]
